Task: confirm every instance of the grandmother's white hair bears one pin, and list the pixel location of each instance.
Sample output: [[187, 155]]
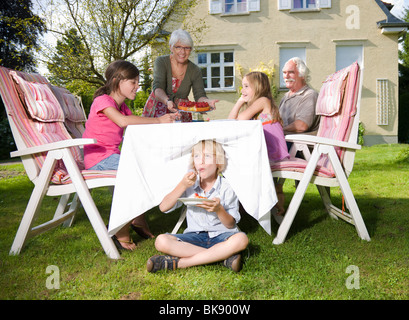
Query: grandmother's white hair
[[181, 36], [303, 71]]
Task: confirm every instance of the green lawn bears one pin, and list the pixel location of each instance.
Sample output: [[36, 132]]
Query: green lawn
[[313, 263]]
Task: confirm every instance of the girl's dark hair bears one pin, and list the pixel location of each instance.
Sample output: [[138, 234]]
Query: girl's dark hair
[[115, 72]]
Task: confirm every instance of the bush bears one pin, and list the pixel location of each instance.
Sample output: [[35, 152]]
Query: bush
[[6, 140], [137, 105], [403, 124]]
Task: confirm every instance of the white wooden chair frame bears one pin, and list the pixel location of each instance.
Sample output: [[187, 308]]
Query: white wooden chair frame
[[41, 177], [79, 187], [324, 146]]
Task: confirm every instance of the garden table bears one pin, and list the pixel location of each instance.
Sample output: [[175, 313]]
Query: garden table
[[155, 157]]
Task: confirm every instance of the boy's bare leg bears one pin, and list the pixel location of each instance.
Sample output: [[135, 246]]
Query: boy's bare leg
[[191, 255], [170, 245]]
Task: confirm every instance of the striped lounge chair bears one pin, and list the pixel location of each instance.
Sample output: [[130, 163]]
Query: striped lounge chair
[[333, 151], [73, 109], [51, 158]]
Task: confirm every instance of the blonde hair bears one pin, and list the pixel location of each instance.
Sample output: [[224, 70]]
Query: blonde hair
[[217, 151], [261, 85]]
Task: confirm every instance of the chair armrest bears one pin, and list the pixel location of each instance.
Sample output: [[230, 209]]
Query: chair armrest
[[309, 139], [52, 146]]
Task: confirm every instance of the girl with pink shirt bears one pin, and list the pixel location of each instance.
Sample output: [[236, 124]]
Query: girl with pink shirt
[[108, 117], [256, 103]]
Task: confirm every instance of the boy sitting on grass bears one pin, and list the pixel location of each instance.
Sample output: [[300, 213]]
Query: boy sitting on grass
[[212, 234]]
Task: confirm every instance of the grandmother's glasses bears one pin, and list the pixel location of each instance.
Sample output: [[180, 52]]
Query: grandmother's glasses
[[179, 48]]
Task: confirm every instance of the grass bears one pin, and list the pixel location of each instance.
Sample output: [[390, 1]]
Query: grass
[[311, 264]]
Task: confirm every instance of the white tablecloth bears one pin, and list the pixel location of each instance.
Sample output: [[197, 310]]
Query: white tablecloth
[[154, 159]]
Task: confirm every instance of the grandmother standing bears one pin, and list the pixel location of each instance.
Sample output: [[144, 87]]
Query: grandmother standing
[[174, 76]]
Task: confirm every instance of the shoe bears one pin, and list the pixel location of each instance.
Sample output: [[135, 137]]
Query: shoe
[[118, 244], [233, 262], [158, 262], [141, 231]]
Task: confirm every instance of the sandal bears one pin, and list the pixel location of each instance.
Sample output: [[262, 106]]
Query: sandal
[[118, 242], [144, 233], [158, 262]]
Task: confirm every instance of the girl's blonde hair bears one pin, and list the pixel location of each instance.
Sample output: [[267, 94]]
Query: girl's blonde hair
[[217, 150], [261, 85]]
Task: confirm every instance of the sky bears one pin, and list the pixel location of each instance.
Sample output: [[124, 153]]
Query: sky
[[399, 5]]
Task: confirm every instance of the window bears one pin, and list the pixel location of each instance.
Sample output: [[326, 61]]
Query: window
[[233, 6], [348, 54], [285, 55], [217, 69], [303, 4]]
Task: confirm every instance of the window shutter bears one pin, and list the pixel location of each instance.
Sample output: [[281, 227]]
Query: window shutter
[[254, 5], [215, 6], [284, 4], [324, 3]]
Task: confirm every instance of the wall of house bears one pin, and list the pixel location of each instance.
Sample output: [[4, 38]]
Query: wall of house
[[257, 37]]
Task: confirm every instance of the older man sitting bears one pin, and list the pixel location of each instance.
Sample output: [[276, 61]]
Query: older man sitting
[[297, 108]]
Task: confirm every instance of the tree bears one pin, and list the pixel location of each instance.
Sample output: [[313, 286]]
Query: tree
[[19, 32], [106, 30], [403, 124], [61, 67]]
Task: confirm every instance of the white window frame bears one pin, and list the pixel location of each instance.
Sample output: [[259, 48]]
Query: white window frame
[[218, 7], [289, 5], [221, 65]]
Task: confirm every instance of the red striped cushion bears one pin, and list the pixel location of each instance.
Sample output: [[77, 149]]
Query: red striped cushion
[[70, 104], [39, 100], [337, 124], [31, 131], [299, 165], [332, 93], [62, 177]]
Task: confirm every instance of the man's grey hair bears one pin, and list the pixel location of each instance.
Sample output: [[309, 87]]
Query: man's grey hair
[[301, 67]]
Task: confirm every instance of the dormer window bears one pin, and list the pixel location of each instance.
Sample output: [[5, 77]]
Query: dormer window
[[303, 5], [233, 6]]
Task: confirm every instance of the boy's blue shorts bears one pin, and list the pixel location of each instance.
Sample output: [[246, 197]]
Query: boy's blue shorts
[[202, 239]]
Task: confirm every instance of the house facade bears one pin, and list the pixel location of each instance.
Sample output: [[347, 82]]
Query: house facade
[[244, 35]]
